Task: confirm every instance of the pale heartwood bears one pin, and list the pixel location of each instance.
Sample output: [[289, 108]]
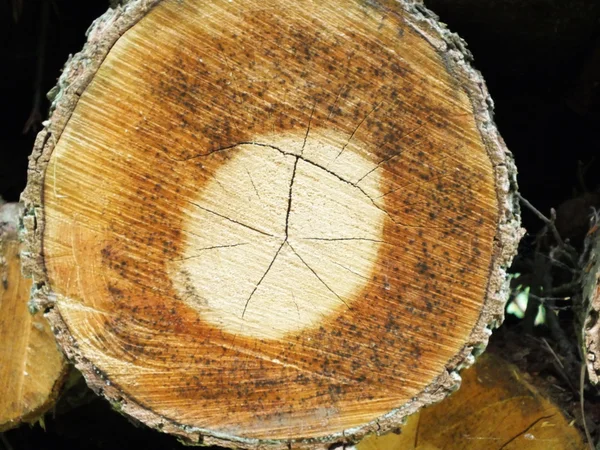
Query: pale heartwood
[[32, 368], [271, 223]]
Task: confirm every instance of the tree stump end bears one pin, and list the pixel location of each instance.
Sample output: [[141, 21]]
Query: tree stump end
[[75, 80]]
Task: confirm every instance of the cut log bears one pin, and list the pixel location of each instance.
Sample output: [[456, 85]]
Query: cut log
[[498, 407], [271, 223], [589, 310], [32, 368]]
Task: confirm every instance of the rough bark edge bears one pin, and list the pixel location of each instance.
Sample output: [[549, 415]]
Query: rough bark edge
[[79, 71], [10, 215], [590, 285]]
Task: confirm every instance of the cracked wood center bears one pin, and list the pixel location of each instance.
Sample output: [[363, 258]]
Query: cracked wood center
[[277, 241], [270, 223]]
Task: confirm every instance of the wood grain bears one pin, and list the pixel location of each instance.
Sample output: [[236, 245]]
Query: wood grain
[[32, 368], [267, 223], [496, 408]]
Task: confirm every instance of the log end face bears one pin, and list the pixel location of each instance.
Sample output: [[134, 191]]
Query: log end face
[[271, 222]]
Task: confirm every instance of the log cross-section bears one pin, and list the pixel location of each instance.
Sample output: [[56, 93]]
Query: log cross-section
[[271, 223]]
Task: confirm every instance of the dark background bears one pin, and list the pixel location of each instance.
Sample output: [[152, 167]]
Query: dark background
[[541, 61]]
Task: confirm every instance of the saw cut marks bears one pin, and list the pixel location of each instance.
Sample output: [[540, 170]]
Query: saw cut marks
[[269, 222]]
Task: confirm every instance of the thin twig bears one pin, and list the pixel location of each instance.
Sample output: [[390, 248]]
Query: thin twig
[[567, 251], [553, 353], [543, 218], [561, 369], [566, 288], [546, 299], [564, 345]]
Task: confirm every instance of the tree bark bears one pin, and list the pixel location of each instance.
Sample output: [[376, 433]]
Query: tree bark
[[271, 224], [590, 305], [32, 369]]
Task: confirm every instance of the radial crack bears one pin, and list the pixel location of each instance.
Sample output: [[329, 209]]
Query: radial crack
[[356, 129], [220, 149], [214, 247], [230, 219], [260, 144], [318, 277], [332, 107], [417, 183], [296, 303], [287, 217], [289, 207], [253, 185], [343, 239], [383, 161], [348, 182], [308, 128], [262, 278], [351, 271]]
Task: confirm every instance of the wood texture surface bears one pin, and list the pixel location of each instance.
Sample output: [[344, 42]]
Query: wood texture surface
[[271, 223], [496, 408], [31, 366]]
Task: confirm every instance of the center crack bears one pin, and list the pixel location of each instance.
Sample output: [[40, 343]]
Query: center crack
[[287, 222]]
